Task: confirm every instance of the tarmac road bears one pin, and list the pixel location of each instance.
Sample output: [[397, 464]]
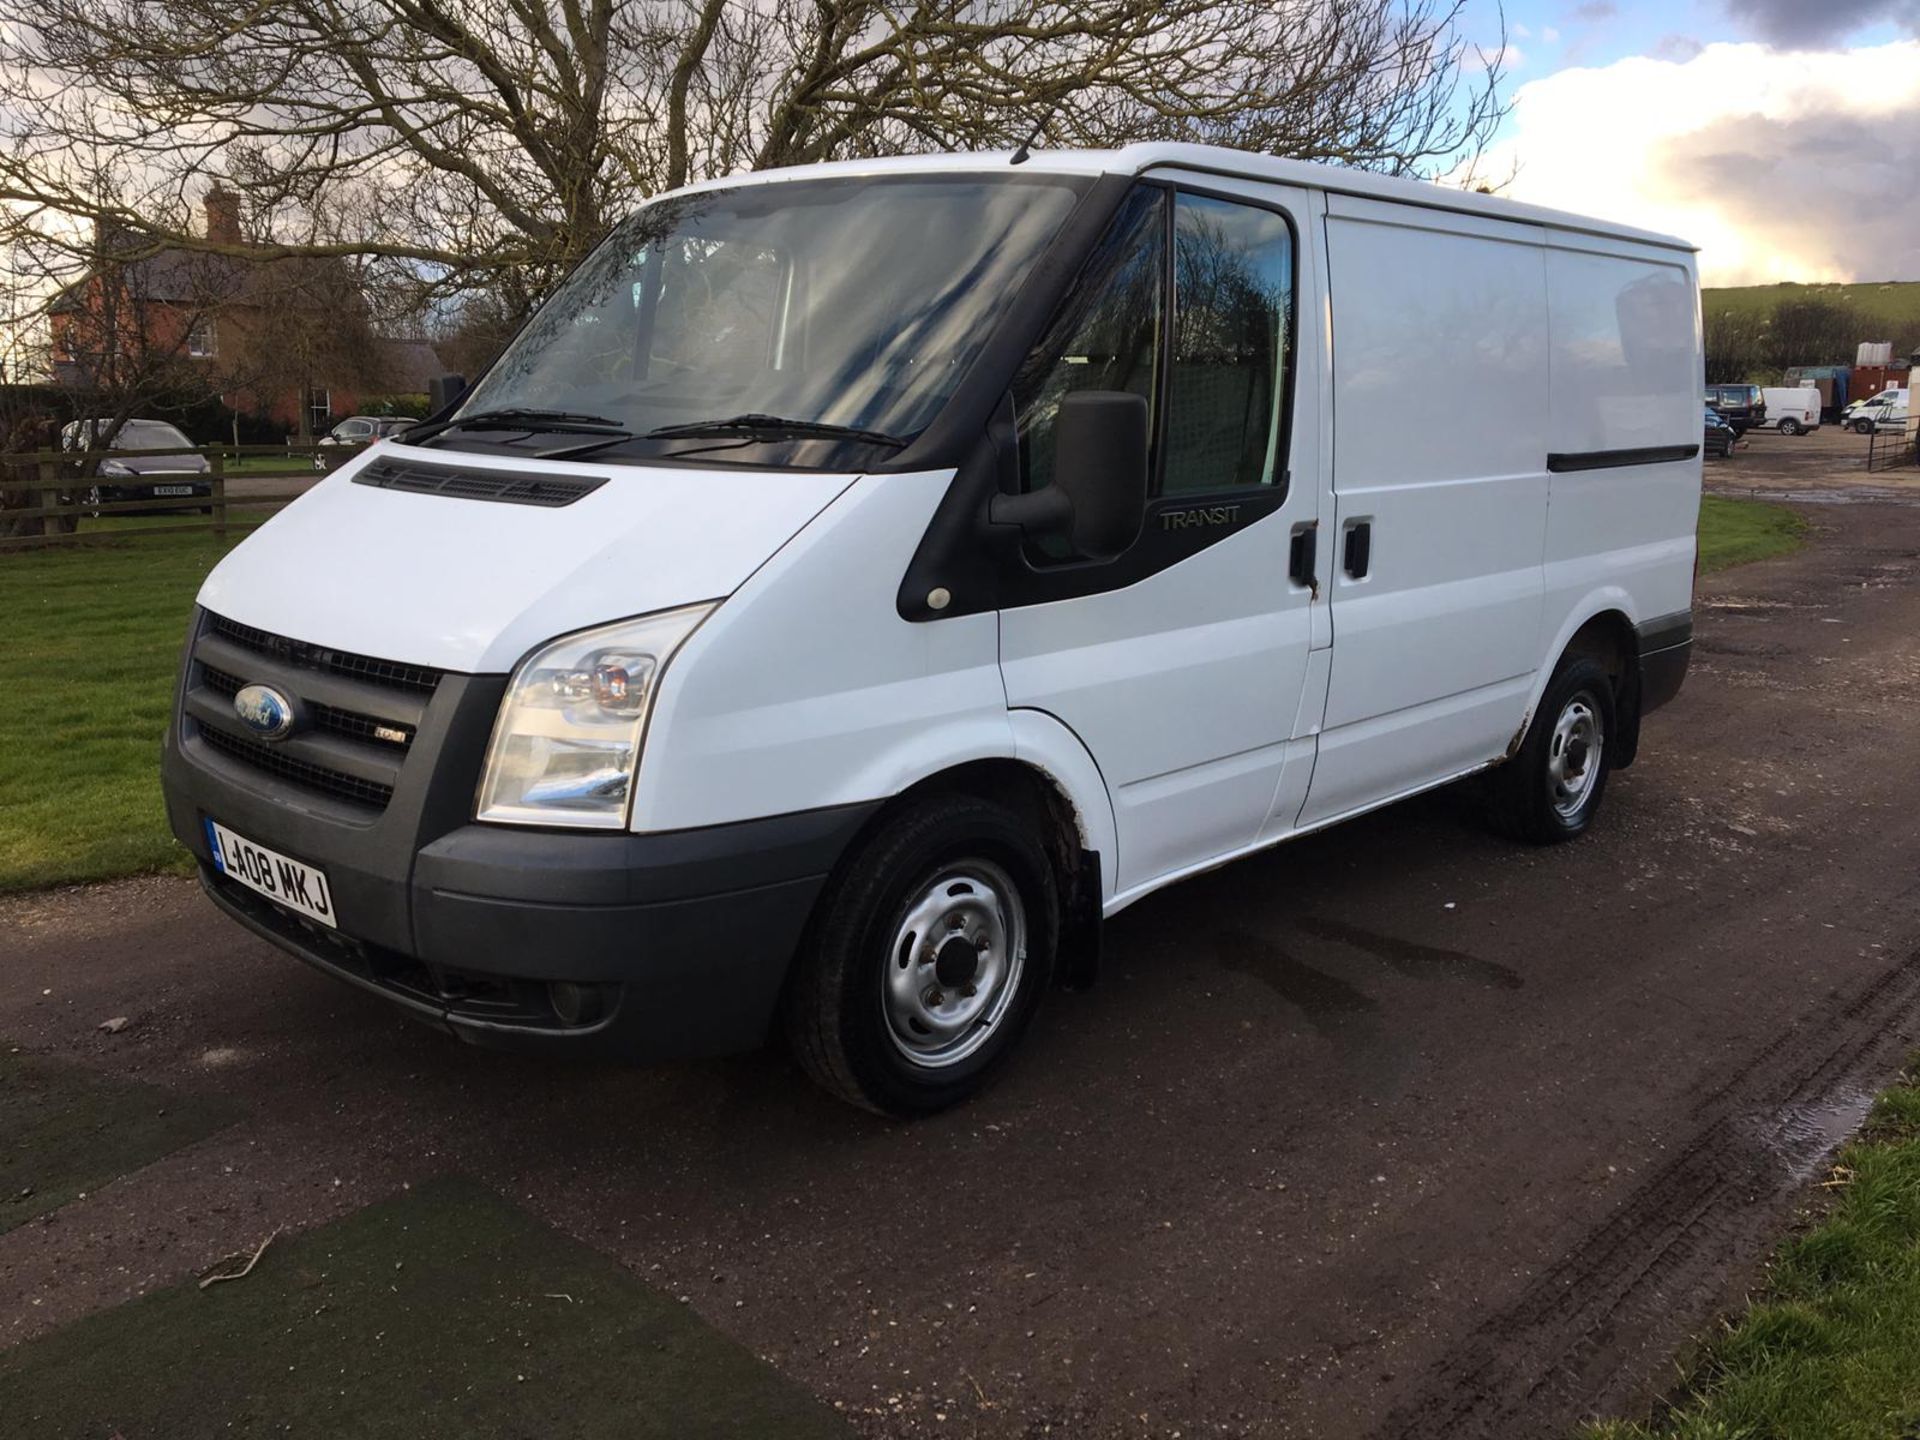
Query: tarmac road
[[1396, 1131]]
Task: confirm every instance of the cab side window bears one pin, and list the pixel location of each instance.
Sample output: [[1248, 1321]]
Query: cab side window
[[1232, 345], [1106, 337]]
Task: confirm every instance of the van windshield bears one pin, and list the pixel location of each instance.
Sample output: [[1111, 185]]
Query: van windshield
[[839, 304]]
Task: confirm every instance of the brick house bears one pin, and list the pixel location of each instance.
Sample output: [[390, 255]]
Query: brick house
[[288, 338]]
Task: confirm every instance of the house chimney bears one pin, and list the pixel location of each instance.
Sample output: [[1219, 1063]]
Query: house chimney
[[223, 215]]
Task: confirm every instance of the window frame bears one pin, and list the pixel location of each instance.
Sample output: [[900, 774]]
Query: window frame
[[1282, 483]]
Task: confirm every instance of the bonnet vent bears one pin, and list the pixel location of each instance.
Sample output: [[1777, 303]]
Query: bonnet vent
[[506, 486]]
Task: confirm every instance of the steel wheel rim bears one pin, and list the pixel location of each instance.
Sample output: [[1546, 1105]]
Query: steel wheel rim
[[955, 964], [1574, 755]]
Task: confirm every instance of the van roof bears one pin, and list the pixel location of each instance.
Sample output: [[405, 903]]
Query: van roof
[[1159, 155]]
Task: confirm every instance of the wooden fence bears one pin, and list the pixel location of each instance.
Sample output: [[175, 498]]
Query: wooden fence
[[49, 497]]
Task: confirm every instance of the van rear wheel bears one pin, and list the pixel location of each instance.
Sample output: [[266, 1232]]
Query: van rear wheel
[[1789, 427], [929, 954], [1550, 791]]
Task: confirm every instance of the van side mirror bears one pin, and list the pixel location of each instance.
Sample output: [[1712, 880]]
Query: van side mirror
[[444, 391], [1100, 462], [1098, 498]]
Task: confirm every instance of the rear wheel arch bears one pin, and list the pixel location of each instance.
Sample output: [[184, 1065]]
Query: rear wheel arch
[[1609, 637]]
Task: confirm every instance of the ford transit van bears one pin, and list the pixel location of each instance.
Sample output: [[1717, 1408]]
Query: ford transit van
[[1792, 411], [857, 584]]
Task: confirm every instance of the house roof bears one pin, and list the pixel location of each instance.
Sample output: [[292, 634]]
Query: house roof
[[175, 275]]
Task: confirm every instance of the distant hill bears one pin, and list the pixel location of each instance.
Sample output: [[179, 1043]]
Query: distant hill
[[1895, 304]]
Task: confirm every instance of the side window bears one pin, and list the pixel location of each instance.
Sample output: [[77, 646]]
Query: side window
[[1232, 345], [1106, 337]]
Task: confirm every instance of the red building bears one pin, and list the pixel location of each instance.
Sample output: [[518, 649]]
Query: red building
[[289, 339]]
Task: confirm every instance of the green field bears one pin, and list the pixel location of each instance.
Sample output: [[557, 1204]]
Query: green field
[[1895, 303], [86, 676], [1831, 1351]]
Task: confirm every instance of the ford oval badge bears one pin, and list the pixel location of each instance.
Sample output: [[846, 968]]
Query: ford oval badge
[[264, 710]]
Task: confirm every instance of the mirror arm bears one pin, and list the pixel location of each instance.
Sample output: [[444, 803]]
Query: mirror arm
[[1040, 512]]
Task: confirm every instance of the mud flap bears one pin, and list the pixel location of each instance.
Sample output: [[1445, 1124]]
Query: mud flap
[[1081, 926], [1626, 718]]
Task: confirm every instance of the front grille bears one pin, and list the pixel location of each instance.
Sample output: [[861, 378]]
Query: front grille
[[390, 673], [336, 783], [503, 486], [325, 717]]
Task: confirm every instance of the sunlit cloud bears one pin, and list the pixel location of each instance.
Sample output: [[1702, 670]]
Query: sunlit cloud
[[1779, 166]]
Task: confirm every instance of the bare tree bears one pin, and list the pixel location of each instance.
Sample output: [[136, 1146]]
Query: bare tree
[[484, 145]]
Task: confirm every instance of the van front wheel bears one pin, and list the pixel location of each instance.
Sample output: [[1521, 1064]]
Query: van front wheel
[[1551, 790], [927, 958]]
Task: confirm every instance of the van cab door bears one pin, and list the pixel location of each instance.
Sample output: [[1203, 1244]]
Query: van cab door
[[1180, 663]]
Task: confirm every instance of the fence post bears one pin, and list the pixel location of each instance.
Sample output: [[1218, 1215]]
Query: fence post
[[68, 520], [218, 461]]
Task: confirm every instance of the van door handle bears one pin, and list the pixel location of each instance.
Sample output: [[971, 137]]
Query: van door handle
[[1359, 549], [1302, 554]]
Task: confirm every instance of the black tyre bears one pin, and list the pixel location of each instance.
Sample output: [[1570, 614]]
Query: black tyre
[[1789, 427], [1551, 790], [1863, 427], [927, 958]]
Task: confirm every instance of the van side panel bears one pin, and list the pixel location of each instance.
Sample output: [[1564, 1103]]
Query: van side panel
[[1440, 424], [1626, 378], [807, 690]]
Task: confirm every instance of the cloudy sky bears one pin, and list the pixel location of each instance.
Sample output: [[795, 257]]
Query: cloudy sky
[[1780, 136]]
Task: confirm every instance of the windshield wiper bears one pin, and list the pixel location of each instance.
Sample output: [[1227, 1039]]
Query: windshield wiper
[[755, 424], [532, 421]]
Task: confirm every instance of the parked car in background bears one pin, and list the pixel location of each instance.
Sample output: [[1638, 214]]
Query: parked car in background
[[138, 477], [1719, 436], [1885, 411], [1741, 406], [1792, 411], [358, 430], [361, 429]]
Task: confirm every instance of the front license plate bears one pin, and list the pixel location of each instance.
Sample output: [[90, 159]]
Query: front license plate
[[173, 490], [296, 886]]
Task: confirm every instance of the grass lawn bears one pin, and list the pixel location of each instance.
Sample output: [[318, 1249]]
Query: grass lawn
[[86, 678], [1831, 1351], [1734, 532]]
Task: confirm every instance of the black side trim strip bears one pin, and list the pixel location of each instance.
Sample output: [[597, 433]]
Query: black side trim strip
[[1665, 631], [1611, 459]]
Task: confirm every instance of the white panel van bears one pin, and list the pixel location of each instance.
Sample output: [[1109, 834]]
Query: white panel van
[[1792, 411], [857, 583]]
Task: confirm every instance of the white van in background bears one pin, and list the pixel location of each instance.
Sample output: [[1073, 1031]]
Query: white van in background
[[1792, 412], [1885, 411], [856, 583]]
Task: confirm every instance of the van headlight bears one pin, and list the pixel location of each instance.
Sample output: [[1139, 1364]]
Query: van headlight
[[566, 744]]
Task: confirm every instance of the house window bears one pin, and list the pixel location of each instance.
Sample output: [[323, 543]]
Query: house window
[[202, 340], [320, 406]]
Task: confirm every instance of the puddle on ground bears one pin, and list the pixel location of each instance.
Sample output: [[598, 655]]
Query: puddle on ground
[[1805, 1136]]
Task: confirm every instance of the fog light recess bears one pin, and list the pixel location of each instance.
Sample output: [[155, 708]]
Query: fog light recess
[[578, 1004]]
